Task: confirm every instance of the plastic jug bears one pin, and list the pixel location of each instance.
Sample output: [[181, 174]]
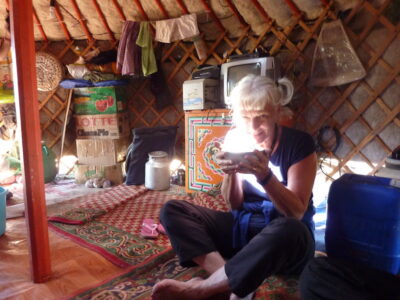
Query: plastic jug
[[49, 164], [157, 175], [3, 194]]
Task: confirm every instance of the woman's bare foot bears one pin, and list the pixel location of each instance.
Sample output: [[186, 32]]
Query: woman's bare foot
[[196, 288], [169, 289]]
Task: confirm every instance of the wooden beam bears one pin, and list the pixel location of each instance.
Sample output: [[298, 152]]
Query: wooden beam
[[162, 9], [81, 20], [213, 16], [119, 10], [37, 22], [262, 11], [25, 89], [103, 20], [295, 10], [232, 7], [141, 10], [61, 22], [182, 6]]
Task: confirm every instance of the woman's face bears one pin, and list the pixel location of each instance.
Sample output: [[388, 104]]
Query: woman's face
[[260, 124]]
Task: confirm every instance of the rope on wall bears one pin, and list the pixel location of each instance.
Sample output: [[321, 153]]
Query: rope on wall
[[325, 146]]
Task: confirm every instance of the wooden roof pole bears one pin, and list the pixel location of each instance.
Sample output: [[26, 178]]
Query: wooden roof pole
[[141, 10], [236, 13], [261, 11], [25, 89], [103, 20], [80, 18], [182, 6], [60, 19], [37, 22], [295, 10], [162, 8], [119, 10], [211, 12]]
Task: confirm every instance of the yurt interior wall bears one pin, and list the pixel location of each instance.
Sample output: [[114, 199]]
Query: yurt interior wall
[[355, 124], [365, 112]]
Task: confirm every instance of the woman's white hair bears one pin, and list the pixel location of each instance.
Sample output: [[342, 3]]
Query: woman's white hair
[[253, 92]]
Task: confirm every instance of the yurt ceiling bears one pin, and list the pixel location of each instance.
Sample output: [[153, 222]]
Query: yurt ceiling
[[102, 20], [365, 112]]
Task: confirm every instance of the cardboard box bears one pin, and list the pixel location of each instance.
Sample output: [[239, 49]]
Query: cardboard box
[[100, 100], [200, 94], [101, 152], [112, 126], [112, 173]]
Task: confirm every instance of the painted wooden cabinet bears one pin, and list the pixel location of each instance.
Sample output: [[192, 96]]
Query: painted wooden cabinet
[[203, 131]]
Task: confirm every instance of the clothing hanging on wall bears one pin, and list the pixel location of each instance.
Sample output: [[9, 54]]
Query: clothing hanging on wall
[[171, 30], [144, 40], [129, 53], [102, 57]]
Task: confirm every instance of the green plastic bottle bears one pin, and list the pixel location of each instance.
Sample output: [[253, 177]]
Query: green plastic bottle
[[49, 163]]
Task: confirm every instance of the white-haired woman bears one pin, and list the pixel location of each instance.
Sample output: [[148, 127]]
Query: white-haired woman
[[270, 229]]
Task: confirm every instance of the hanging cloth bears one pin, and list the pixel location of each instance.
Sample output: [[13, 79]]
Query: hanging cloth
[[129, 54], [171, 30], [149, 65]]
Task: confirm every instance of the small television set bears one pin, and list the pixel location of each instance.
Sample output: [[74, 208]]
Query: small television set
[[233, 71]]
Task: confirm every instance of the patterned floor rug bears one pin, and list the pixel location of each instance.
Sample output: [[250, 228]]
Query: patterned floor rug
[[109, 223], [137, 282]]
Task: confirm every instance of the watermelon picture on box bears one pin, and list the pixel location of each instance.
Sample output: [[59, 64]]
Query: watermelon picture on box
[[99, 100]]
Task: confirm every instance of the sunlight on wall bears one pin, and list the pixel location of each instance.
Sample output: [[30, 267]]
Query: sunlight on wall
[[322, 181], [67, 163]]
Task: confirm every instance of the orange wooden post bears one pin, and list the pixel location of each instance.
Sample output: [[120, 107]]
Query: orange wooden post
[[25, 89]]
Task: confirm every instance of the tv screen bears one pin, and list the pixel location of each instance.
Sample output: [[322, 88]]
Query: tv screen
[[232, 72], [235, 73]]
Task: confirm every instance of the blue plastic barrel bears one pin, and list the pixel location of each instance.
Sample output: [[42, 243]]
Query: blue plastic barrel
[[363, 222], [3, 194]]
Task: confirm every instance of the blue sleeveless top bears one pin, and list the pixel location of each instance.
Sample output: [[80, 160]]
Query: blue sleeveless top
[[257, 209]]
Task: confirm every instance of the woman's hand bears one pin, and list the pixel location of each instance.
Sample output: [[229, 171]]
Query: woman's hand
[[227, 166], [255, 163]]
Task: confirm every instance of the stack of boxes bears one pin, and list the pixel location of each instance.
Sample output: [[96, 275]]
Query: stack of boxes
[[102, 130]]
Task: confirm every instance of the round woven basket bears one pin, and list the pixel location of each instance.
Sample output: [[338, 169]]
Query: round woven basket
[[49, 71]]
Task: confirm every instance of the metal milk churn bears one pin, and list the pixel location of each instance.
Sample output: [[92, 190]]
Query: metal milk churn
[[157, 175]]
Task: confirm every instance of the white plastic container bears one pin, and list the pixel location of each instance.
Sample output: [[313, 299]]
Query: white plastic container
[[157, 171]]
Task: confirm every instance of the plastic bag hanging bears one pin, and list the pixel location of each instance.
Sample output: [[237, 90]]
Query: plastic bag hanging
[[335, 62]]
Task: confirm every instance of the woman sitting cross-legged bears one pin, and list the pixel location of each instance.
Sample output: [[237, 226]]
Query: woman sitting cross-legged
[[269, 230]]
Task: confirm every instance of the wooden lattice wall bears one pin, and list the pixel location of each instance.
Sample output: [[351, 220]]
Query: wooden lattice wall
[[366, 112]]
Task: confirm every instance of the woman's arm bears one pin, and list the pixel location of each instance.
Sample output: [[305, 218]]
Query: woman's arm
[[293, 200], [231, 190]]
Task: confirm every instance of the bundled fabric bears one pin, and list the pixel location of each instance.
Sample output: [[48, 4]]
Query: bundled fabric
[[78, 83], [96, 76], [118, 82], [102, 58], [144, 40], [75, 83], [77, 71], [171, 30], [129, 53]]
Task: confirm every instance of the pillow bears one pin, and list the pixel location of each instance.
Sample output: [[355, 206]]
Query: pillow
[[146, 140]]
